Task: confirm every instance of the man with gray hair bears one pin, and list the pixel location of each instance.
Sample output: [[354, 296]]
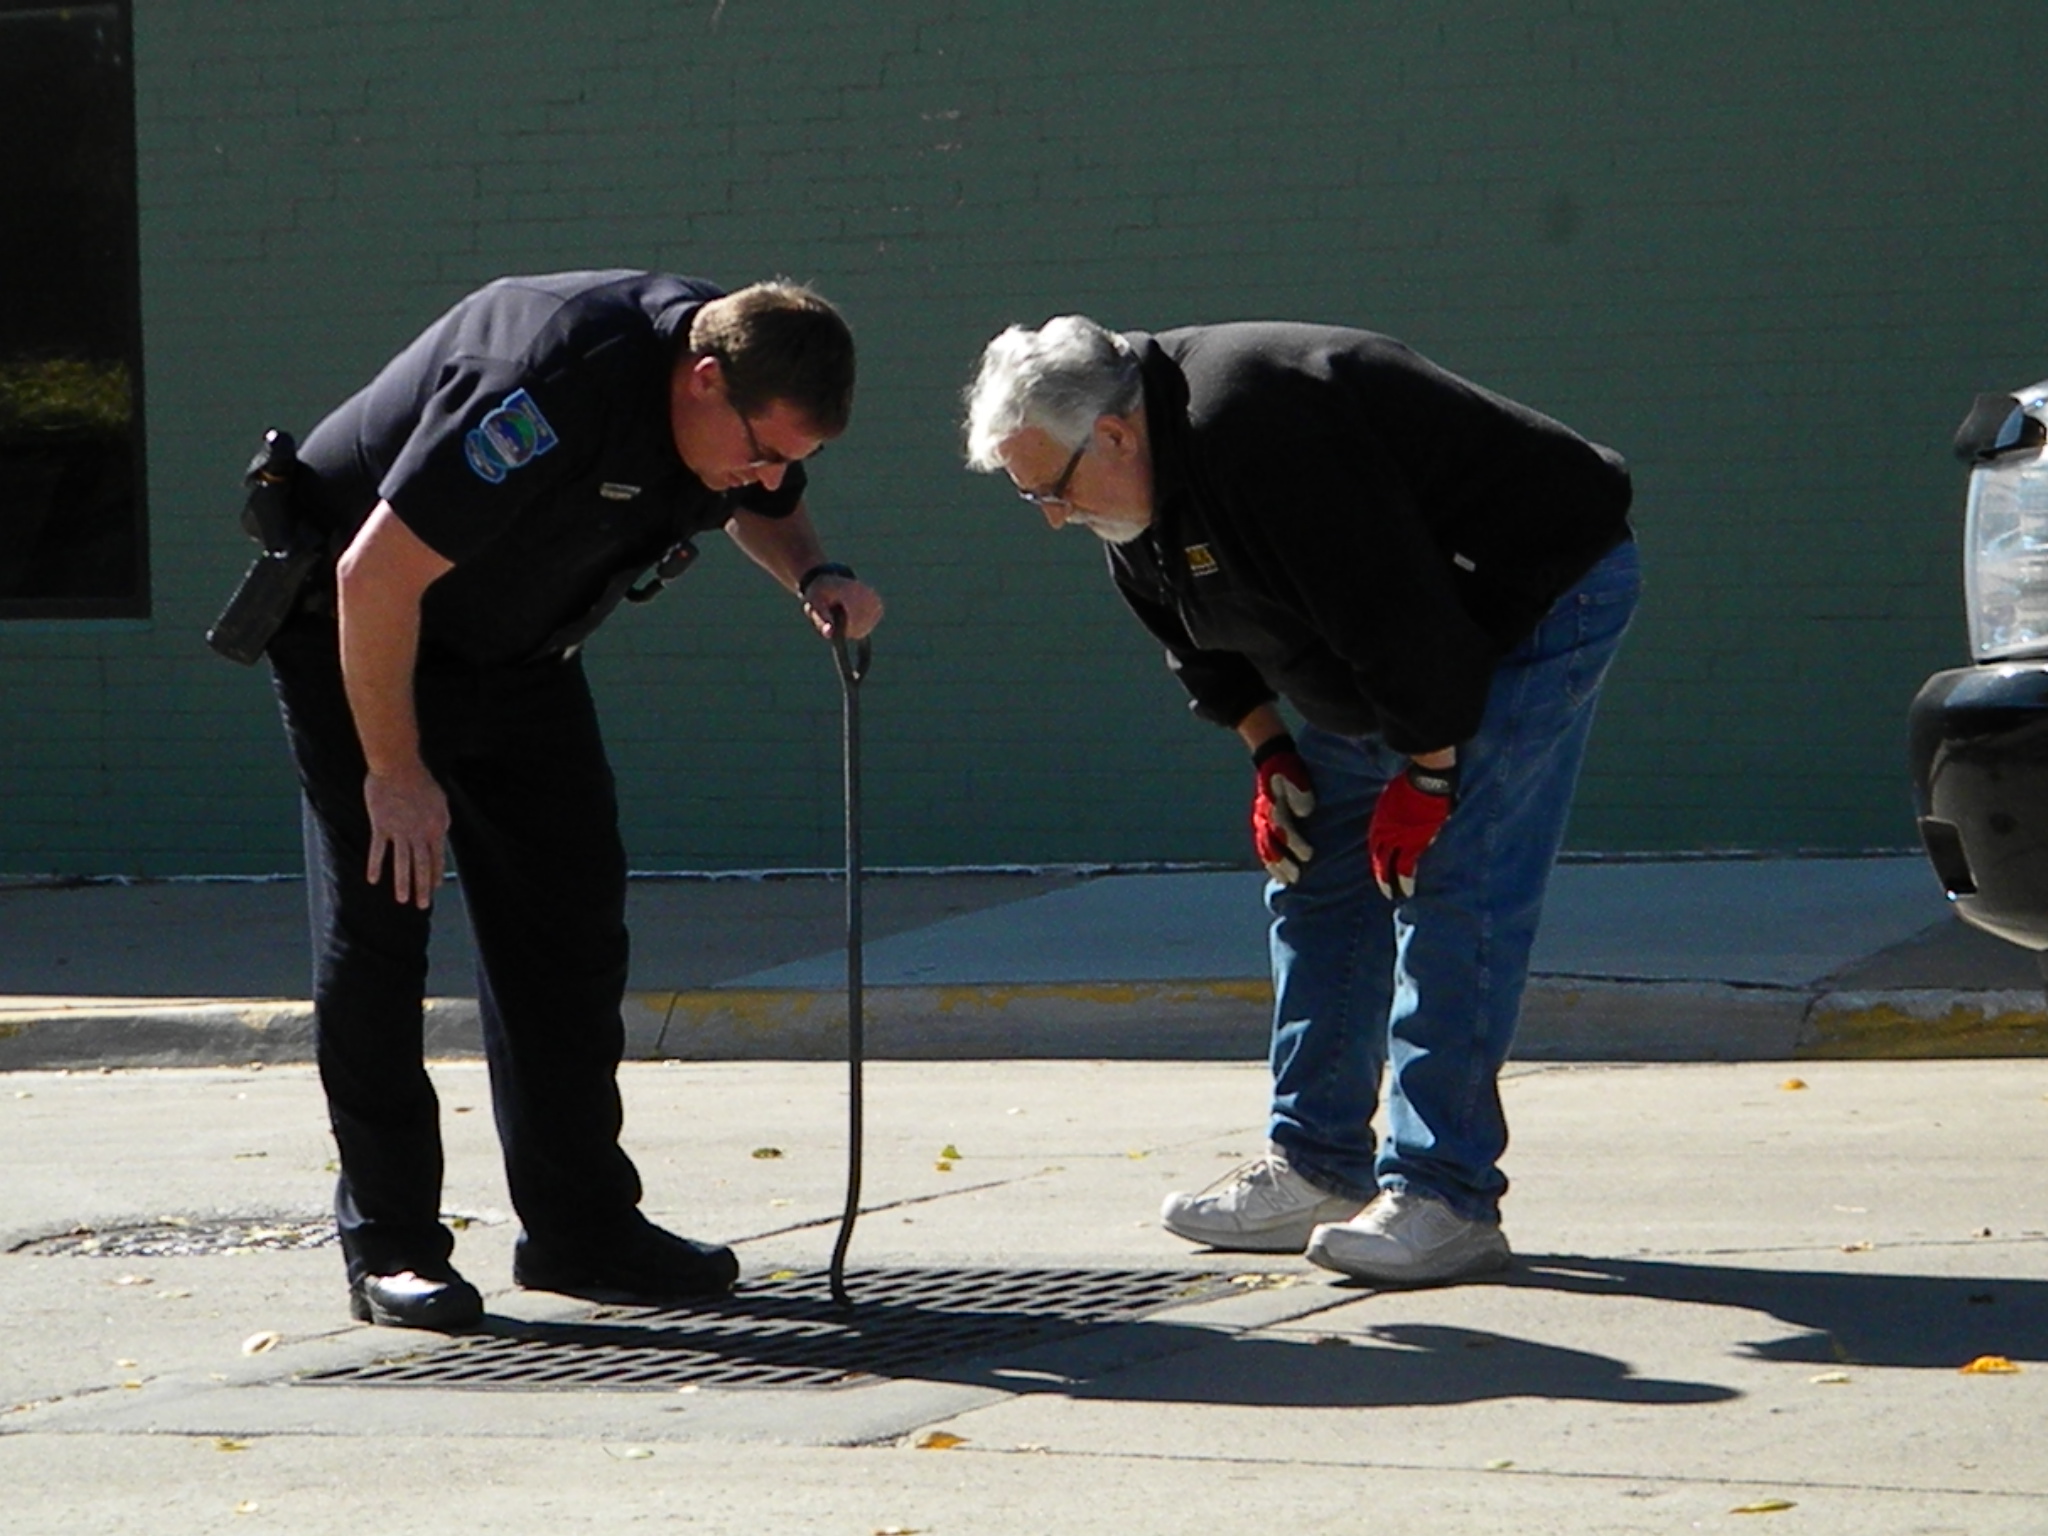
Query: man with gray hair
[[1436, 579]]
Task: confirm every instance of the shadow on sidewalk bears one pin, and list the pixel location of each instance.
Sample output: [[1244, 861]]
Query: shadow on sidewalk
[[783, 1336], [1924, 1322]]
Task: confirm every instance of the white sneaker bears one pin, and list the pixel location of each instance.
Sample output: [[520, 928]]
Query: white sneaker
[[1407, 1238], [1262, 1207]]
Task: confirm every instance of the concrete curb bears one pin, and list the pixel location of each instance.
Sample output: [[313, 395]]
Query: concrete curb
[[1563, 1019]]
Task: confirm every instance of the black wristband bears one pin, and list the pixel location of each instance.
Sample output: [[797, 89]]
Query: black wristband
[[827, 568], [1442, 782], [1273, 746]]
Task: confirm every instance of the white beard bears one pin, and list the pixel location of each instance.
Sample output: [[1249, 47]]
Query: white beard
[[1113, 530]]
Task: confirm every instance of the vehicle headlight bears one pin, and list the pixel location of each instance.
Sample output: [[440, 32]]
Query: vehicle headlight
[[2005, 538]]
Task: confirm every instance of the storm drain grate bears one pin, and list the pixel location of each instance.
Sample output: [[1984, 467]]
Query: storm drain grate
[[786, 1331], [180, 1237]]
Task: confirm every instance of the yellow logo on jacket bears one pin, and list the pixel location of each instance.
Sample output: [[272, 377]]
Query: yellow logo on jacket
[[1200, 561]]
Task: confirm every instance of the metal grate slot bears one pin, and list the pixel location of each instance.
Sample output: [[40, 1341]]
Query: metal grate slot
[[787, 1332]]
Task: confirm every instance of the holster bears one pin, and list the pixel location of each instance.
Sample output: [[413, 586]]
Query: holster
[[262, 602], [291, 550]]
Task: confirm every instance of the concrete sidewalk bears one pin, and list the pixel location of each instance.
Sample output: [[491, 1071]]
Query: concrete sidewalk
[[1678, 960], [1741, 1289], [1737, 1289]]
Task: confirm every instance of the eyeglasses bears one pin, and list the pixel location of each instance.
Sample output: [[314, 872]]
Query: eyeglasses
[[1056, 495], [763, 458]]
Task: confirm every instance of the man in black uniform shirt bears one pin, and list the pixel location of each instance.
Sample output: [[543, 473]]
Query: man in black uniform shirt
[[1436, 578], [489, 497]]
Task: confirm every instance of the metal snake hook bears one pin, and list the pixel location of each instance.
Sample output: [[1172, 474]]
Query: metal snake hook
[[852, 658]]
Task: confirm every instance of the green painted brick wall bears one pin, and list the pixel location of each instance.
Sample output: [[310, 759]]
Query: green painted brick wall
[[1769, 251]]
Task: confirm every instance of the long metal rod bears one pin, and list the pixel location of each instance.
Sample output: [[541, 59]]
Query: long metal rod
[[853, 666]]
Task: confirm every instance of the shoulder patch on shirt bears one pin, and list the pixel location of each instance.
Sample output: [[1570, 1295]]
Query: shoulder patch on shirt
[[513, 435], [1200, 561]]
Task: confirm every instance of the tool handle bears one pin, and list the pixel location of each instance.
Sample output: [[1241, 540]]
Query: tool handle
[[852, 658]]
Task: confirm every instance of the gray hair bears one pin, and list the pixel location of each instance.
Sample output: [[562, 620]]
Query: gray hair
[[1058, 378]]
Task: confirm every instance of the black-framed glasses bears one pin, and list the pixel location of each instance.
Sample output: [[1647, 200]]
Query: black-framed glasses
[[1056, 495], [763, 458]]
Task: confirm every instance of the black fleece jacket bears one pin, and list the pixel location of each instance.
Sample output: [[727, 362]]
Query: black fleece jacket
[[1339, 520]]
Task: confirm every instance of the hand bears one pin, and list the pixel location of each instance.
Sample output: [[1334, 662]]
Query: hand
[[1284, 797], [409, 820], [862, 603], [1412, 810]]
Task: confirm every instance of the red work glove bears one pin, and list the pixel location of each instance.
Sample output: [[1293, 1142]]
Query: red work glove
[[1283, 800], [1412, 810]]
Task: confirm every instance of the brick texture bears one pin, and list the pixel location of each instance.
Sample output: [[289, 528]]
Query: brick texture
[[1768, 251]]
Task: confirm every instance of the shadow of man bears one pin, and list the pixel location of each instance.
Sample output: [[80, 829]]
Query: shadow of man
[[1928, 1322]]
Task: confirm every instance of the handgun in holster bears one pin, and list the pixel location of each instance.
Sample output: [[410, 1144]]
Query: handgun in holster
[[291, 550]]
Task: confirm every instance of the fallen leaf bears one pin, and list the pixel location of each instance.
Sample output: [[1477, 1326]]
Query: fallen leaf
[[175, 1293], [126, 1365], [225, 1444], [895, 1530], [459, 1223], [1830, 1379], [764, 1153], [942, 1166], [1862, 1245], [783, 1274], [247, 1507], [1991, 1365], [239, 1156], [131, 1386], [629, 1453], [939, 1440], [950, 1153], [1499, 1464], [257, 1343], [131, 1280], [1793, 1084], [1763, 1507], [1136, 1153], [776, 1205]]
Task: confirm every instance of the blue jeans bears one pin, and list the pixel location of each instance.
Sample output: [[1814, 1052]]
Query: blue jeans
[[1431, 985]]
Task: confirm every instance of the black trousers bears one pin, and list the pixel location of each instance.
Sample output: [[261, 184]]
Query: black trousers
[[534, 833]]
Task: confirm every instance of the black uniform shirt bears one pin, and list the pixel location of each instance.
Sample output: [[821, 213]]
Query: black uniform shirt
[[1338, 520], [525, 437]]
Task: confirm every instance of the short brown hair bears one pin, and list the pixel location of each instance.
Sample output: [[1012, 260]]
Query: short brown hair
[[780, 341]]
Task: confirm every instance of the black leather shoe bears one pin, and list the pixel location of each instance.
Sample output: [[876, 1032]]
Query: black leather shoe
[[649, 1263], [445, 1304]]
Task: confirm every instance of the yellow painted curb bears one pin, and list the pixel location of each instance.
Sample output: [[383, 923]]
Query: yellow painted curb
[[1886, 1031]]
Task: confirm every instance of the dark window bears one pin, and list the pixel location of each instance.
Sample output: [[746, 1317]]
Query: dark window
[[73, 538]]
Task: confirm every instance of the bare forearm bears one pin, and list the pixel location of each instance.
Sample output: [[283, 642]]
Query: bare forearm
[[1261, 726], [788, 549], [379, 582], [379, 648], [784, 547]]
